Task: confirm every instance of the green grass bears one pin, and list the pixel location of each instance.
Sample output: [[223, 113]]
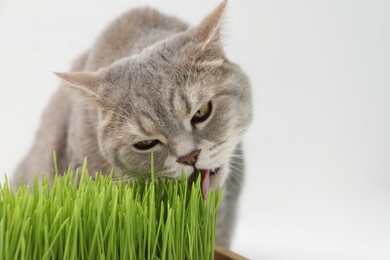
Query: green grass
[[80, 217]]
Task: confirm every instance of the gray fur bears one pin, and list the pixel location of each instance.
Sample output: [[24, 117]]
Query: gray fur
[[143, 79]]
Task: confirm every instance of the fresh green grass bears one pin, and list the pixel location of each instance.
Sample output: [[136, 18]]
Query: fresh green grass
[[80, 217]]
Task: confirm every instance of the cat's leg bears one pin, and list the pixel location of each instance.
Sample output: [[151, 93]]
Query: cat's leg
[[229, 203], [51, 136]]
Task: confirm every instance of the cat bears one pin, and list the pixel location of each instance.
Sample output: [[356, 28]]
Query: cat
[[152, 83]]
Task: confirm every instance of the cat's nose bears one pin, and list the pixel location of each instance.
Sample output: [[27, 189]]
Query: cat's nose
[[189, 159]]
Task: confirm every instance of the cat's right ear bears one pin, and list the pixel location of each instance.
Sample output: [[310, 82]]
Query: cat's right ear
[[86, 83]]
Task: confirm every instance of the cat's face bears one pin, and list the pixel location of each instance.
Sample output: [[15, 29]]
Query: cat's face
[[181, 99], [167, 103]]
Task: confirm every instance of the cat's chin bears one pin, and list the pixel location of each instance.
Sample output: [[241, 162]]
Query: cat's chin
[[210, 179]]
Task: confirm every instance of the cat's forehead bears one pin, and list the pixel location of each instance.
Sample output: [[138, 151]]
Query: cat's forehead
[[164, 110], [153, 76], [161, 91], [149, 119]]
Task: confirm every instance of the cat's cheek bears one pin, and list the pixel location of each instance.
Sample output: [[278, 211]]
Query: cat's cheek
[[104, 151], [112, 151], [109, 154]]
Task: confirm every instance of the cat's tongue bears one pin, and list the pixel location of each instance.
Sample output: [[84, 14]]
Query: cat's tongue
[[205, 174]]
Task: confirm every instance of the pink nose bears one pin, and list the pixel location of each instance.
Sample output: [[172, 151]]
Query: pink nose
[[189, 159]]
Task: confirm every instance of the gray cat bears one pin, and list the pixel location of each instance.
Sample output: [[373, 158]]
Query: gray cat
[[151, 83]]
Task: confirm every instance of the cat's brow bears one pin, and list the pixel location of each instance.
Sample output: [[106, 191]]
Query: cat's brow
[[141, 124], [172, 100], [186, 102], [177, 105]]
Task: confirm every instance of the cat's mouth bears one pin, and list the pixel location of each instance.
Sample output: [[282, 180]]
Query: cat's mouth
[[206, 175]]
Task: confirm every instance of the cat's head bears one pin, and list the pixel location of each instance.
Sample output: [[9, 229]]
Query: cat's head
[[180, 98]]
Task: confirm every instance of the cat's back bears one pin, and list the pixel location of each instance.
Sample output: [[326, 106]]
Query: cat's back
[[130, 33]]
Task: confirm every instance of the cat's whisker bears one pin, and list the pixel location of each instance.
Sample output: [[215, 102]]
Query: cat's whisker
[[236, 180], [233, 180], [234, 155], [236, 169], [237, 163]]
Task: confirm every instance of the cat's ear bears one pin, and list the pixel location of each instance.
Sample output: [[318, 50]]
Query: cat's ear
[[208, 31], [86, 83]]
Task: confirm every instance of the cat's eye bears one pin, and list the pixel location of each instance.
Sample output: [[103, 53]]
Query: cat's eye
[[146, 145], [202, 114]]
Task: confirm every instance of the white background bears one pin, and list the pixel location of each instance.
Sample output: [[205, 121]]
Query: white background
[[318, 152]]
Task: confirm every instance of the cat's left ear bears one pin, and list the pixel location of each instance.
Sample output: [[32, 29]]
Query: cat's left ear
[[208, 31], [86, 83]]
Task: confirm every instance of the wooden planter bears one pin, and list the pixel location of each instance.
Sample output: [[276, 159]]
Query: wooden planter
[[222, 253]]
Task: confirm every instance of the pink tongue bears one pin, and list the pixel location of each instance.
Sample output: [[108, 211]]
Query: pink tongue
[[205, 182]]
